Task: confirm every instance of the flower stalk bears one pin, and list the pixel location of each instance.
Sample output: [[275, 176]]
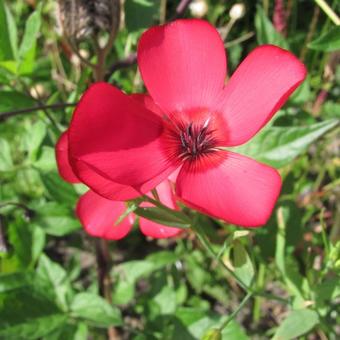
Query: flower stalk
[[104, 280], [236, 311], [329, 11]]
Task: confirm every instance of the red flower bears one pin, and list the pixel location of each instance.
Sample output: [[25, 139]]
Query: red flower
[[99, 215], [122, 146]]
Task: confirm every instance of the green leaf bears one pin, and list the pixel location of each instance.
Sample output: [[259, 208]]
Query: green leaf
[[13, 34], [128, 273], [56, 278], [58, 189], [297, 323], [166, 300], [140, 14], [329, 42], [162, 258], [277, 146], [123, 292], [12, 281], [28, 241], [96, 310], [6, 52], [286, 263], [212, 334], [55, 219], [28, 313], [266, 32], [70, 332], [11, 101], [27, 48], [32, 30], [326, 291], [302, 94], [198, 322], [33, 139], [46, 161], [133, 270], [243, 266], [167, 217], [6, 163]]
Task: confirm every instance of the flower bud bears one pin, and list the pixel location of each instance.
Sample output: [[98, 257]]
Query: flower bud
[[212, 334], [237, 11], [80, 19], [198, 8]]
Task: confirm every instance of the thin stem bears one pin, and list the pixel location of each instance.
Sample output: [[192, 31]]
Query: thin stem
[[265, 4], [162, 15], [217, 256], [206, 243], [103, 52], [3, 241], [311, 31], [240, 39], [74, 48], [132, 58], [227, 28], [104, 279], [258, 299], [236, 311], [323, 232], [124, 63], [329, 11], [8, 114], [39, 101], [181, 8]]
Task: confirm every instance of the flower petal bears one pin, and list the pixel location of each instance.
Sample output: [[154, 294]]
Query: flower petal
[[98, 216], [257, 89], [63, 163], [156, 230], [116, 137], [232, 187], [183, 64], [103, 186], [148, 102]]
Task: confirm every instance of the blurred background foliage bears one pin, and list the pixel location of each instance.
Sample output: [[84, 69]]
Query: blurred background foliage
[[168, 289]]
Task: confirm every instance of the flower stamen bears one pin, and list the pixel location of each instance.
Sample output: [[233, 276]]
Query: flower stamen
[[196, 140]]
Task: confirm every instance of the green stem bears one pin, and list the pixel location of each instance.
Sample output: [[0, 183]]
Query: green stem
[[236, 311], [329, 11], [239, 40], [258, 299], [323, 232], [206, 243], [217, 256]]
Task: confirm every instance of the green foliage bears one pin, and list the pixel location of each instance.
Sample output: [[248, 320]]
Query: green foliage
[[6, 52], [10, 99], [190, 286], [164, 216], [266, 32], [95, 309], [329, 42], [278, 146], [141, 14], [297, 323]]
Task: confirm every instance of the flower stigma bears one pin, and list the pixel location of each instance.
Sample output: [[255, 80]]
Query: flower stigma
[[193, 139]]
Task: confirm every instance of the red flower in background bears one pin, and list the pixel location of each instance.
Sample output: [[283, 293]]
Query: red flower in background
[[123, 146], [99, 215]]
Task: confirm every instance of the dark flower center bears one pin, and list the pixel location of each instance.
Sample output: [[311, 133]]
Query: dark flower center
[[196, 140]]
